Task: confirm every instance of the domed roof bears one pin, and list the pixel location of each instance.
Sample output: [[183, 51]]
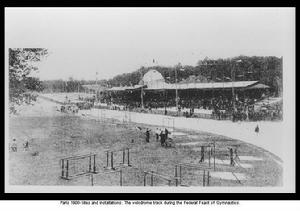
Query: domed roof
[[151, 76]]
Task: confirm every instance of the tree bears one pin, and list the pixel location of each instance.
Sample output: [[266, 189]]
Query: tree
[[22, 62]]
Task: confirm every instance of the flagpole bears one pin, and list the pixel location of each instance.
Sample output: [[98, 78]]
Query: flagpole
[[142, 92], [176, 90]]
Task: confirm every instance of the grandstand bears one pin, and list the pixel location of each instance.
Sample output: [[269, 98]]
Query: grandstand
[[220, 100]]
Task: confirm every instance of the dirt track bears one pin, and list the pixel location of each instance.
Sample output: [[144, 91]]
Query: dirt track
[[50, 135]]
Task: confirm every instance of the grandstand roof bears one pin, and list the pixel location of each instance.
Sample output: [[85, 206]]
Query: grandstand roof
[[152, 76], [123, 88], [202, 86], [213, 85], [153, 80]]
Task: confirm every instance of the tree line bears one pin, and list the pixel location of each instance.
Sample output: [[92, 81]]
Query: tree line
[[266, 70]]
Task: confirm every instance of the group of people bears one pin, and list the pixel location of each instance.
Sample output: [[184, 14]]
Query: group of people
[[14, 145], [221, 105], [161, 135]]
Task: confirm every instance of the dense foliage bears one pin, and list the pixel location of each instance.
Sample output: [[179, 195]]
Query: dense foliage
[[21, 85], [267, 70]]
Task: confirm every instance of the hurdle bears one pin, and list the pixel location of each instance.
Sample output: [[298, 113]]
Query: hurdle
[[65, 166], [232, 153], [209, 150], [155, 174], [178, 175], [110, 158]]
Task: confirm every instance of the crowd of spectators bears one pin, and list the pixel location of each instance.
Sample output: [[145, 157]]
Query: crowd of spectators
[[222, 107]]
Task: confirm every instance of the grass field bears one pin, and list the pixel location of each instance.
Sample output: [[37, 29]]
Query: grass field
[[53, 135]]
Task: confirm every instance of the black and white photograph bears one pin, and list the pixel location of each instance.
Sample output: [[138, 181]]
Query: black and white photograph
[[155, 100]]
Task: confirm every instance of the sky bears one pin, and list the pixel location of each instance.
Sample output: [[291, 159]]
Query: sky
[[112, 41]]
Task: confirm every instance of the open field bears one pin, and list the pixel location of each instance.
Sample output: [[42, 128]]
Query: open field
[[270, 136], [53, 135]]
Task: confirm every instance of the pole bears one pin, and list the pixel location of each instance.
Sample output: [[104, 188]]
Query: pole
[[107, 158], [128, 157], [121, 182], [62, 167], [151, 178], [214, 155], [233, 97], [90, 163], [94, 163], [142, 92], [180, 175], [208, 178], [123, 156], [209, 151], [97, 86], [145, 174], [176, 90], [203, 177], [67, 173], [112, 160], [92, 179], [176, 179]]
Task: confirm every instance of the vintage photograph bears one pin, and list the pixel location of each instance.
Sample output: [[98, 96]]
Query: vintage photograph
[[133, 99]]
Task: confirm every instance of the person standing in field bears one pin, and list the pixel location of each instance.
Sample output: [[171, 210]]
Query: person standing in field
[[147, 135], [162, 138], [157, 132], [166, 133], [14, 145], [256, 129], [26, 146]]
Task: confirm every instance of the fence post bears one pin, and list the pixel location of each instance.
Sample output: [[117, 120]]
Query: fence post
[[209, 151], [90, 163], [112, 160], [151, 178], [231, 156], [123, 156], [128, 157], [236, 153], [145, 174], [180, 174], [67, 173], [203, 177], [92, 179], [121, 180], [202, 154], [208, 178], [176, 179], [62, 168], [214, 155], [107, 158], [94, 163]]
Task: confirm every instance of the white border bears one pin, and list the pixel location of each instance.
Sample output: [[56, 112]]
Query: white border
[[289, 137]]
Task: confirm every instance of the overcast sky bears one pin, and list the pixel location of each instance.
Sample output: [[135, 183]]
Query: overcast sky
[[83, 41]]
